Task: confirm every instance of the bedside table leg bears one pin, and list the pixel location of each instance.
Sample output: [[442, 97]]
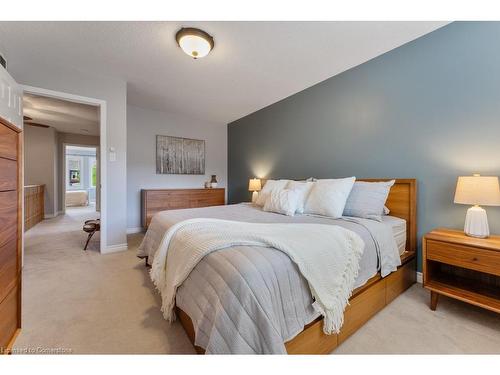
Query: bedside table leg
[[434, 300]]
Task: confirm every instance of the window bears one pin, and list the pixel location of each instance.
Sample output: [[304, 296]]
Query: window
[[81, 169], [93, 172]]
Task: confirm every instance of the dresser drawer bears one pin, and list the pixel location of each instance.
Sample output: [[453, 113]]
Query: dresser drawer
[[8, 216], [8, 267], [154, 201], [8, 143], [9, 312], [477, 259], [205, 202], [8, 175]]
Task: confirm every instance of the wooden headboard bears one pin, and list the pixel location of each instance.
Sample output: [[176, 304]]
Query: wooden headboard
[[402, 202]]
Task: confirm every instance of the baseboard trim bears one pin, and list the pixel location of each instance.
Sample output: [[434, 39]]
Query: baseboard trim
[[420, 277], [135, 230], [51, 216], [115, 248]]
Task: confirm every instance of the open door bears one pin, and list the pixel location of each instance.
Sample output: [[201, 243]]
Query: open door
[[11, 214]]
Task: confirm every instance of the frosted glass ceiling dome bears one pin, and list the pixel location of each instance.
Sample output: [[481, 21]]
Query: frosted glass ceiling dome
[[194, 42]]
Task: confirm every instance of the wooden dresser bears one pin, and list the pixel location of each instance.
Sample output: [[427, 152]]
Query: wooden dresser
[[34, 205], [156, 200], [10, 233]]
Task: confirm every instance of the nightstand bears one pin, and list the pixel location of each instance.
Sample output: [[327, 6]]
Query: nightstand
[[462, 267]]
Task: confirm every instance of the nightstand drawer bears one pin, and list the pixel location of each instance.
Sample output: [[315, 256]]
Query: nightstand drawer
[[481, 260]]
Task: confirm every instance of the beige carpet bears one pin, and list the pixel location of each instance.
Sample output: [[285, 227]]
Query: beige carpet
[[92, 303], [88, 302]]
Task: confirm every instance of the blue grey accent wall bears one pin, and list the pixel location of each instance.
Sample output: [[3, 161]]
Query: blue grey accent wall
[[428, 110]]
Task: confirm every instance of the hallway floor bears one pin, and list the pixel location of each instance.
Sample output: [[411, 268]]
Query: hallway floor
[[79, 211]]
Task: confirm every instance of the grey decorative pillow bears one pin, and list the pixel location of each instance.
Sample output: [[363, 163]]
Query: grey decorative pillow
[[367, 199]]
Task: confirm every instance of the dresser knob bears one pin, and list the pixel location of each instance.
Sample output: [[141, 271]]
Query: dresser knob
[[474, 259]]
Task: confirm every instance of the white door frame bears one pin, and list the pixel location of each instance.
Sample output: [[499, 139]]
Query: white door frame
[[102, 130], [65, 175]]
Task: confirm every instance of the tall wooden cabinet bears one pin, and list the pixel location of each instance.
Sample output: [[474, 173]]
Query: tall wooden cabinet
[[10, 232]]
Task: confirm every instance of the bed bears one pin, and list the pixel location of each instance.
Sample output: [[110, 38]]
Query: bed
[[208, 303], [77, 198]]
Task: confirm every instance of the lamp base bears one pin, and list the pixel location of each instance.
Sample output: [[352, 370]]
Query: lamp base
[[476, 223], [255, 194]]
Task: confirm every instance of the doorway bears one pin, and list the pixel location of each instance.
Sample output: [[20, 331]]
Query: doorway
[[81, 179], [79, 136]]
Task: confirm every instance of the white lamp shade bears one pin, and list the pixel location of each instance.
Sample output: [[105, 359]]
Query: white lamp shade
[[478, 190], [254, 185]]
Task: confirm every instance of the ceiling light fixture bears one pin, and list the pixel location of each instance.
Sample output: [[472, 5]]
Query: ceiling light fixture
[[194, 42]]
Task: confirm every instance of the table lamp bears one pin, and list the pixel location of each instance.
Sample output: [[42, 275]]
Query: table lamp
[[255, 186], [477, 190]]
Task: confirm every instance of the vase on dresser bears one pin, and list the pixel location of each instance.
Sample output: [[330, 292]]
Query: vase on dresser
[[213, 181]]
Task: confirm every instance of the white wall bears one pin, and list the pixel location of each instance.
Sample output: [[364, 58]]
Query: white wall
[[11, 103], [142, 127], [40, 163], [114, 92]]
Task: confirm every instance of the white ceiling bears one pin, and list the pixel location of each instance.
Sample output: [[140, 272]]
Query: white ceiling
[[253, 64], [64, 116]]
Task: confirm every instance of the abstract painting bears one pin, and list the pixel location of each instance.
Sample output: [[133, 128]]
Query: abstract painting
[[176, 155]]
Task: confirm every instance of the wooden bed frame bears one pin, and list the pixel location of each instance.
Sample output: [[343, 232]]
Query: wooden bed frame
[[366, 300]]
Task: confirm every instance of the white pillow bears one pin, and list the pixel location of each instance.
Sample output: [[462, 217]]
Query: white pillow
[[303, 188], [268, 187], [328, 197], [284, 201], [367, 199], [386, 210]]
